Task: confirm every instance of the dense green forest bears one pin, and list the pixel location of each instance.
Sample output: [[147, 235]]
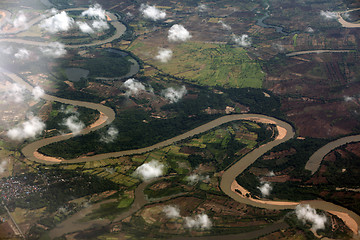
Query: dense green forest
[[134, 132], [102, 64]]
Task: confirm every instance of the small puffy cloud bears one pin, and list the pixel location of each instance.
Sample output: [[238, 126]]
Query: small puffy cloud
[[15, 93], [201, 221], [174, 95], [243, 40], [3, 166], [95, 11], [84, 27], [74, 124], [270, 174], [60, 22], [150, 170], [224, 25], [20, 20], [37, 92], [348, 99], [171, 211], [28, 129], [152, 12], [22, 54], [265, 189], [7, 50], [309, 30], [177, 33], [195, 178], [279, 47], [133, 86], [100, 25], [328, 15], [202, 7], [305, 213], [54, 49], [110, 135], [164, 55]]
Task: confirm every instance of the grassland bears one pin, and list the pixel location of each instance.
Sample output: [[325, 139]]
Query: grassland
[[208, 64]]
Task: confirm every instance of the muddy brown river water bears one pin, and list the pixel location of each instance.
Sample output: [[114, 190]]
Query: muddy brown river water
[[351, 219]]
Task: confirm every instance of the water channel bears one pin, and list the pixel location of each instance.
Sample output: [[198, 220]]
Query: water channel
[[228, 176]]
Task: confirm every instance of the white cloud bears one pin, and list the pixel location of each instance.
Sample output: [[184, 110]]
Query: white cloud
[[7, 50], [15, 93], [74, 124], [54, 49], [174, 95], [271, 174], [243, 40], [346, 15], [201, 221], [171, 211], [177, 33], [3, 165], [84, 27], [152, 12], [100, 25], [110, 135], [348, 99], [328, 15], [60, 22], [37, 92], [195, 178], [305, 213], [28, 129], [265, 189], [224, 25], [20, 20], [309, 30], [150, 170], [133, 86], [202, 7], [53, 11], [279, 47], [164, 55], [22, 54], [95, 11]]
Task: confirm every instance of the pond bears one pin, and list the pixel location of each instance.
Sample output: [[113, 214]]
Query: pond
[[75, 74]]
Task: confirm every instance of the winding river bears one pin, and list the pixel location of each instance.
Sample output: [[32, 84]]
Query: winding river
[[318, 51], [315, 160], [119, 31], [228, 178], [228, 183]]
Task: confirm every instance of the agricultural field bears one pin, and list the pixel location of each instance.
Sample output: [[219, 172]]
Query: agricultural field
[[207, 64], [200, 157], [292, 60]]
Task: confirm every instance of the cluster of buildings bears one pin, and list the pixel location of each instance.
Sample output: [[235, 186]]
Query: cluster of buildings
[[13, 188]]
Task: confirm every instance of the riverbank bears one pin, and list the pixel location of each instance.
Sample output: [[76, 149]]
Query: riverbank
[[119, 31]]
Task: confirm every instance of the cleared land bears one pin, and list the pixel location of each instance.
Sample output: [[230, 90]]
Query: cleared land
[[207, 64]]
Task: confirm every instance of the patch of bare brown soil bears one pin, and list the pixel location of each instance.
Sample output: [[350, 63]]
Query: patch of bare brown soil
[[354, 148], [321, 120], [281, 154]]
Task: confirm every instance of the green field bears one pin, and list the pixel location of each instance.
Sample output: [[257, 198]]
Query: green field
[[211, 65]]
